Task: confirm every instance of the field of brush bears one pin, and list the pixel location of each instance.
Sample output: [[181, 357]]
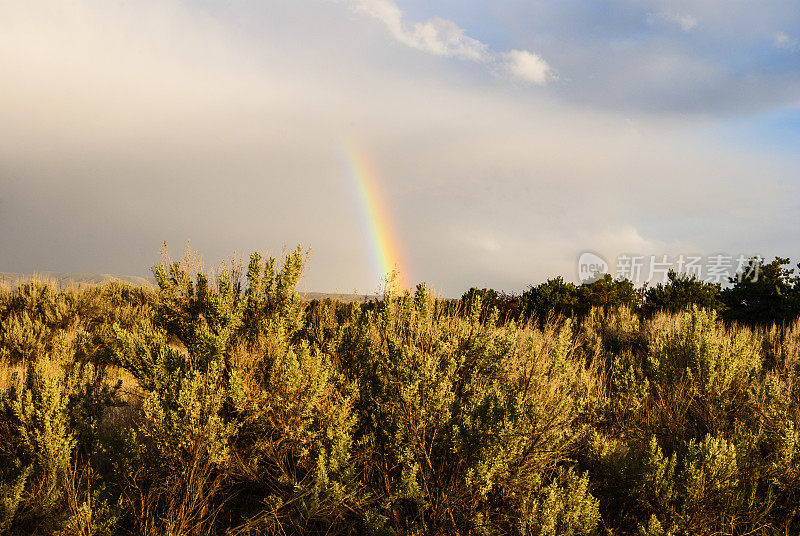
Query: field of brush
[[228, 404]]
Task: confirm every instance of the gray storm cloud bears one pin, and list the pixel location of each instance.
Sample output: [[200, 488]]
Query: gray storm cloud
[[124, 125]]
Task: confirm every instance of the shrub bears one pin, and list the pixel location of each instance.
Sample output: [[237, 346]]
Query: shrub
[[222, 403]]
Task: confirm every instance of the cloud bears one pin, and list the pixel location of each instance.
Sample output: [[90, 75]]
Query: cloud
[[436, 36], [782, 40], [528, 66], [686, 22], [127, 124], [637, 55], [443, 37]]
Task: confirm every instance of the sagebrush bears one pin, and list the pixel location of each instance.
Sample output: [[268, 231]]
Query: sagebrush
[[223, 403]]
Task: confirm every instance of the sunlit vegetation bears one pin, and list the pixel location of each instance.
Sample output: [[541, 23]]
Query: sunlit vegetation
[[221, 403]]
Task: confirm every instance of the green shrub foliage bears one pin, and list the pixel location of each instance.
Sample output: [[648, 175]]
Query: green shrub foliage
[[221, 403]]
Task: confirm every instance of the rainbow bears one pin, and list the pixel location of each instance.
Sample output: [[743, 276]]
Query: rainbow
[[376, 219]]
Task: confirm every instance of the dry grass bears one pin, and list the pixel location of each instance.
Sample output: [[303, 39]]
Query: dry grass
[[184, 504]]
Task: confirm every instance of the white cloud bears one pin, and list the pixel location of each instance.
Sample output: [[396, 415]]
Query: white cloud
[[782, 40], [528, 66], [437, 36], [686, 22], [443, 37]]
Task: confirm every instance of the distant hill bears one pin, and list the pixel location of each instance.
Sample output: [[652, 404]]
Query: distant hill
[[63, 279]]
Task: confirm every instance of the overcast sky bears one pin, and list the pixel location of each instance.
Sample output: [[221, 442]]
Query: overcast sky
[[507, 136]]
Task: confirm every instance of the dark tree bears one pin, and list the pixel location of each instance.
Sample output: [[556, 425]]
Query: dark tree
[[508, 305], [554, 297], [681, 292], [764, 294], [608, 293]]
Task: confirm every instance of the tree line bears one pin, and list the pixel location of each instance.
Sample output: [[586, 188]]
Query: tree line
[[771, 297]]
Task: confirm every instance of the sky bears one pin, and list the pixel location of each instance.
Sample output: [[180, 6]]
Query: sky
[[504, 138]]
